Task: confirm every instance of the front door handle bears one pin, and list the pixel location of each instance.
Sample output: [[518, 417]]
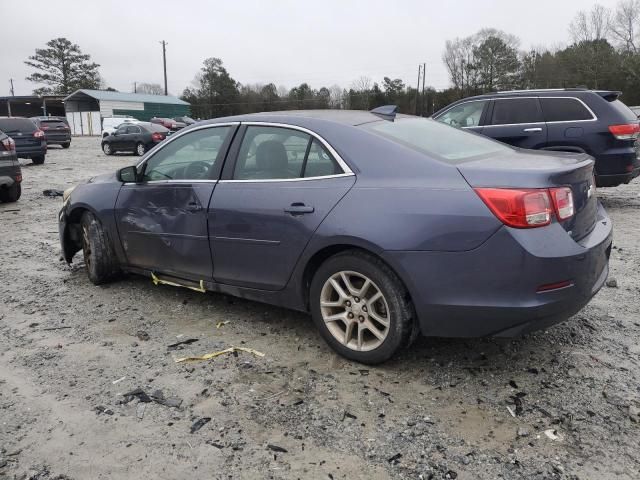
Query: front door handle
[[299, 209], [532, 130], [194, 207]]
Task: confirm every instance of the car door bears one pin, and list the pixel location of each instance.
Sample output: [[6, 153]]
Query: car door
[[162, 219], [119, 139], [467, 115], [283, 182], [134, 135], [517, 121]]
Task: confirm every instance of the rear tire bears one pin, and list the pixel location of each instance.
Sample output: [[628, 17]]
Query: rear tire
[[354, 294], [106, 148], [66, 145], [140, 149], [11, 194], [38, 160], [99, 257]]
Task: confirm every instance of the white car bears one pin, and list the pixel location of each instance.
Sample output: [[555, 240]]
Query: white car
[[110, 124]]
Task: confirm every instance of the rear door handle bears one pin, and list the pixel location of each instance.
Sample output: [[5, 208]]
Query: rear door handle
[[299, 209], [532, 130]]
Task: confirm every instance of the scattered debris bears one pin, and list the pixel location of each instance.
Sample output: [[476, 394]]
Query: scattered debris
[[118, 380], [198, 424], [209, 356], [140, 410], [221, 324], [634, 414], [513, 414], [276, 448], [137, 393], [52, 193], [552, 434], [451, 474], [142, 335], [395, 459], [346, 414], [523, 432], [55, 328], [612, 283], [188, 341], [172, 402]]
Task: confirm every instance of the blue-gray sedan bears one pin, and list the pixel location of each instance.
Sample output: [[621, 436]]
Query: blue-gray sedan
[[383, 227]]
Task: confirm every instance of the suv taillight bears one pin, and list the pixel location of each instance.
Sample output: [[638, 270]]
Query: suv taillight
[[38, 134], [528, 208], [627, 131], [157, 137], [9, 144]]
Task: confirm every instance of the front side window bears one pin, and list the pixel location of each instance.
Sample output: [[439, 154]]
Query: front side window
[[194, 156], [564, 110], [466, 114], [448, 144], [513, 111], [122, 129], [133, 129]]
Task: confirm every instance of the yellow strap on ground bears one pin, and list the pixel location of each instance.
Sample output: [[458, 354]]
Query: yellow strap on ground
[[209, 356], [158, 281]]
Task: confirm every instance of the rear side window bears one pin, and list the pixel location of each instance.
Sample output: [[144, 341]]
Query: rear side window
[[319, 162], [514, 111], [564, 110], [24, 125], [451, 145]]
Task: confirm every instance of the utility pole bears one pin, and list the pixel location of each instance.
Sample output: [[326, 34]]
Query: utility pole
[[424, 74], [12, 93], [135, 87], [164, 62], [418, 88]]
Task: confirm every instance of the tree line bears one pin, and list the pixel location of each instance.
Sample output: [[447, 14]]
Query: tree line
[[603, 54]]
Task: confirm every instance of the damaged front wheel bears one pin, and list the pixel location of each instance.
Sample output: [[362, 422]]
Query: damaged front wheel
[[99, 257]]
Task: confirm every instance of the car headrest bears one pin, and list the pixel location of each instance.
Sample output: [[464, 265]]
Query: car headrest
[[272, 156]]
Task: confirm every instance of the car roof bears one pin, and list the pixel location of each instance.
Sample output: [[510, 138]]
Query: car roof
[[550, 92], [305, 118]]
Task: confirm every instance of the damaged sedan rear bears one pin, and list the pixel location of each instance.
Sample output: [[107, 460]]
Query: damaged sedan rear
[[382, 226]]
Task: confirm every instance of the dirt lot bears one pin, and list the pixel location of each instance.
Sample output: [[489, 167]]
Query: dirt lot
[[557, 404]]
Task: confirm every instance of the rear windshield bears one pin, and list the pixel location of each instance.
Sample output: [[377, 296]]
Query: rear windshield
[[10, 125], [436, 139], [52, 123], [154, 127], [623, 110]]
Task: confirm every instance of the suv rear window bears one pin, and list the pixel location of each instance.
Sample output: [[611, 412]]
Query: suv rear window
[[53, 123], [564, 110], [513, 111], [619, 107], [8, 125], [443, 142]]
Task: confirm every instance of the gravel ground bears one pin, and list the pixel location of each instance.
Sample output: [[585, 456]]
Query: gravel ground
[[562, 403]]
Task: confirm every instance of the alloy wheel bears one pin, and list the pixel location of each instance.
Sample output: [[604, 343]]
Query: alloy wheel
[[355, 311], [106, 148], [140, 149]]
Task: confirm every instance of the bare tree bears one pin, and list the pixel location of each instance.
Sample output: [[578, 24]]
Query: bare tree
[[335, 96], [591, 26], [150, 88], [362, 84], [625, 25]]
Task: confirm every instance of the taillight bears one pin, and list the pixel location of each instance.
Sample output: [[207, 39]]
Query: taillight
[[627, 131], [19, 178], [9, 144], [528, 208], [38, 134], [562, 198], [157, 137], [523, 208]]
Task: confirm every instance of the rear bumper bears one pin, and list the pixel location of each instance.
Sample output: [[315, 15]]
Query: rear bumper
[[618, 179], [57, 139], [617, 166], [492, 290], [32, 151]]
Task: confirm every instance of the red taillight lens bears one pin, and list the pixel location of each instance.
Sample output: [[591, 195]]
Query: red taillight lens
[[157, 137], [19, 178], [38, 134], [9, 144], [628, 131], [522, 208], [562, 198]]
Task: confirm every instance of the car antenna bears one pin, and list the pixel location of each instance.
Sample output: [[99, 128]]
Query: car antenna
[[386, 112]]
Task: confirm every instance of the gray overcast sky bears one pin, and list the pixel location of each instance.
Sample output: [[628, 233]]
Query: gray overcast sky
[[322, 42]]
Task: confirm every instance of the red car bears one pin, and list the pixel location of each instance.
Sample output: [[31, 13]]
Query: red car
[[169, 123]]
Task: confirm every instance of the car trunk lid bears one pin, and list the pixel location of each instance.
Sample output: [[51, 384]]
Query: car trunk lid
[[523, 169]]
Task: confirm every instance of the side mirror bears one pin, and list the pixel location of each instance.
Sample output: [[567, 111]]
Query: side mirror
[[128, 174]]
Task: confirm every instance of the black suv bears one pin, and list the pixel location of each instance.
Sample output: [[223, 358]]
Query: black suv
[[56, 130], [568, 120], [29, 139], [10, 172]]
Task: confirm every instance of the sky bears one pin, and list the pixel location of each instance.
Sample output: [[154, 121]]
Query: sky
[[286, 42]]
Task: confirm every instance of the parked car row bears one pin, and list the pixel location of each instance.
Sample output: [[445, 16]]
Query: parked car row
[[573, 120]]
